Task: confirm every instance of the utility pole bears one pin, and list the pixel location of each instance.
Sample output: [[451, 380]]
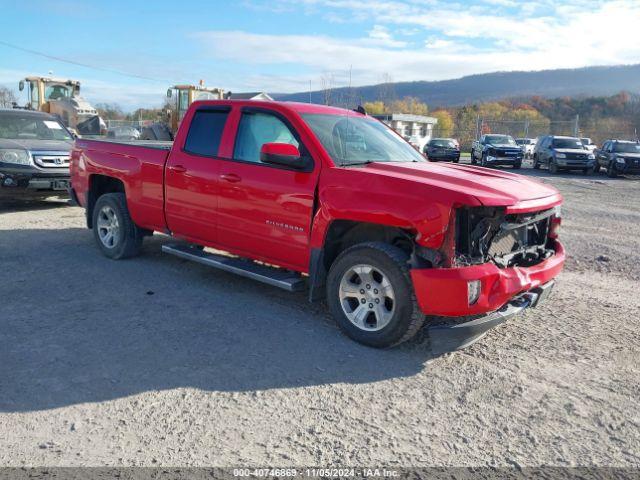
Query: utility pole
[[576, 128]]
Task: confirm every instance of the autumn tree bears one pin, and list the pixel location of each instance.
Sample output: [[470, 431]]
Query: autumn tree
[[374, 108], [444, 127]]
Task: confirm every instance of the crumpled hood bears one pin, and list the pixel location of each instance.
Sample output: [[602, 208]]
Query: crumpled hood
[[490, 187], [35, 145]]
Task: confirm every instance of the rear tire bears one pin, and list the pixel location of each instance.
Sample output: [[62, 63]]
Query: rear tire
[[114, 231], [387, 313]]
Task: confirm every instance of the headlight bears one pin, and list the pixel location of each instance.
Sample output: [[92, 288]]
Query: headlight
[[18, 157], [620, 160], [591, 156], [560, 155]]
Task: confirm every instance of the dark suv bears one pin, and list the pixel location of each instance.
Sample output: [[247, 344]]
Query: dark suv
[[34, 154], [493, 149], [442, 149], [619, 157], [563, 153]]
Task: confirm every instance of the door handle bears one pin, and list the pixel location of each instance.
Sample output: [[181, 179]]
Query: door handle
[[230, 177], [178, 168]]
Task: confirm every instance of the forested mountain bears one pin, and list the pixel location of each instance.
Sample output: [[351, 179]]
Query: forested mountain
[[588, 81]]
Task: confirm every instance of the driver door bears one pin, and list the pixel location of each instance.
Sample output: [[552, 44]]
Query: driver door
[[265, 210]]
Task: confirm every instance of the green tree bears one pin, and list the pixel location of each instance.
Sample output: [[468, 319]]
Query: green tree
[[444, 127]]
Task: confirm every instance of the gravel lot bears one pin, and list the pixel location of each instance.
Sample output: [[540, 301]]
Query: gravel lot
[[156, 361]]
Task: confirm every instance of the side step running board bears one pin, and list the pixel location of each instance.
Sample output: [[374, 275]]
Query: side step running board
[[284, 279]]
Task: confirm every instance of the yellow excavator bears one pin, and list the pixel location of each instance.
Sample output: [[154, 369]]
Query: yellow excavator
[[185, 95], [62, 97]]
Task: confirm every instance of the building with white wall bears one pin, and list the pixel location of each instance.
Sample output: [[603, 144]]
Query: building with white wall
[[416, 129]]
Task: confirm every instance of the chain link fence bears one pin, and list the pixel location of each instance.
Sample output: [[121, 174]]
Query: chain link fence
[[598, 132]]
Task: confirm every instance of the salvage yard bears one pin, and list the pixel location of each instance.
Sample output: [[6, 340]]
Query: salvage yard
[[157, 361]]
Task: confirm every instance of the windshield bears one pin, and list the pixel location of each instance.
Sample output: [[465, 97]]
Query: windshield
[[627, 147], [357, 140], [568, 143], [16, 126], [56, 92], [500, 140], [442, 143]]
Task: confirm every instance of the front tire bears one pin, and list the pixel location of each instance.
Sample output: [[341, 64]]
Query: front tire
[[553, 166], [536, 163], [611, 171], [473, 157], [371, 296], [114, 231], [517, 165]]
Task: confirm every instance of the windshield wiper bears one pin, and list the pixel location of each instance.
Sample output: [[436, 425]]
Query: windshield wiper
[[349, 164]]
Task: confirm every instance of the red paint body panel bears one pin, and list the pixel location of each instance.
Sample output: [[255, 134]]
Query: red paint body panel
[[278, 216]]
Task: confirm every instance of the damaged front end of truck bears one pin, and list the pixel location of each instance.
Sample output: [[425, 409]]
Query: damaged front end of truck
[[494, 263]]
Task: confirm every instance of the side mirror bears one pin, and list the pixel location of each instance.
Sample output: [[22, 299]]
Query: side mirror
[[283, 154], [169, 93], [21, 85]]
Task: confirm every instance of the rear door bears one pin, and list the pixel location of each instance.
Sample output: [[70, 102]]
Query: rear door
[[192, 174], [265, 210]]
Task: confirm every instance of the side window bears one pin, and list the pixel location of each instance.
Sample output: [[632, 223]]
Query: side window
[[205, 132], [256, 129]]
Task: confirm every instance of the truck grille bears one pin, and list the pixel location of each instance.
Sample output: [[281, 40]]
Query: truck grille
[[51, 160], [576, 156]]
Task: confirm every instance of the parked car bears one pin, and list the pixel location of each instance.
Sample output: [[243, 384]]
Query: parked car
[[496, 150], [527, 145], [619, 157], [124, 133], [563, 153], [442, 149], [588, 144], [34, 154], [386, 237]]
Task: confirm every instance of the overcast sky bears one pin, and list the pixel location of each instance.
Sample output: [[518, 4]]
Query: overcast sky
[[130, 52]]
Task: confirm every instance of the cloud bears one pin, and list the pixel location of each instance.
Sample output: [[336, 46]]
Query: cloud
[[489, 36]]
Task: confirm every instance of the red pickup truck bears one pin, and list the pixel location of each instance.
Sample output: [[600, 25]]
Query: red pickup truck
[[308, 196]]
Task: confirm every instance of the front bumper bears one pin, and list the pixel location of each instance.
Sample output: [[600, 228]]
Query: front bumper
[[18, 183], [449, 337], [630, 167], [569, 164], [502, 160], [443, 291]]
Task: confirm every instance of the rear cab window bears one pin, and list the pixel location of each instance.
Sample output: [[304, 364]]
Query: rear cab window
[[205, 132]]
